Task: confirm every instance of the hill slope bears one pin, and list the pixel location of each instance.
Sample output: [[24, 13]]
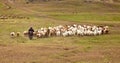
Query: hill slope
[[79, 10], [73, 49], [67, 6]]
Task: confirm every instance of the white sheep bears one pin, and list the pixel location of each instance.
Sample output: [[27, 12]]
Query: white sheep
[[106, 30], [39, 35], [80, 32], [65, 34], [72, 30], [12, 34], [58, 33], [70, 33]]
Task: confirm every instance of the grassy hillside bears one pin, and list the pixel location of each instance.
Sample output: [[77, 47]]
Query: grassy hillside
[[64, 7], [74, 10], [76, 6], [87, 49]]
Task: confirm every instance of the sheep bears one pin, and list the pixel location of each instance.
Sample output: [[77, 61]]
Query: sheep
[[95, 32], [43, 33], [51, 31], [65, 34], [35, 33], [80, 33], [47, 31], [12, 34], [80, 30], [25, 33], [106, 30], [85, 31], [100, 30], [75, 25], [18, 34], [60, 26], [74, 30], [70, 30], [70, 33], [58, 33], [39, 35]]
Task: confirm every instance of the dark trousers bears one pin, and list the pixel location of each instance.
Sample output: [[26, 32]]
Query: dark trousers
[[30, 37]]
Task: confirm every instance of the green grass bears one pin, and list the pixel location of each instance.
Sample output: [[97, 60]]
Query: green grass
[[75, 6], [87, 17], [1, 5], [87, 49], [24, 24], [81, 49]]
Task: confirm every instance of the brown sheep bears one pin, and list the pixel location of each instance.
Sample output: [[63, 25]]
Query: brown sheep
[[25, 33], [18, 34]]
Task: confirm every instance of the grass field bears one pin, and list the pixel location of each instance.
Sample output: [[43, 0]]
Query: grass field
[[87, 49]]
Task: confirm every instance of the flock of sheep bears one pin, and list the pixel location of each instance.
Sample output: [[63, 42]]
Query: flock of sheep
[[67, 30]]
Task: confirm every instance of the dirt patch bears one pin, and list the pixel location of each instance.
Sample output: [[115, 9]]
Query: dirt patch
[[54, 53]]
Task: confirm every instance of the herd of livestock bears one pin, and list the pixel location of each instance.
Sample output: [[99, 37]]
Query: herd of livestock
[[67, 30]]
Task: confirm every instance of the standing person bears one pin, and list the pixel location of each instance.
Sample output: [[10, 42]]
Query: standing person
[[30, 33]]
